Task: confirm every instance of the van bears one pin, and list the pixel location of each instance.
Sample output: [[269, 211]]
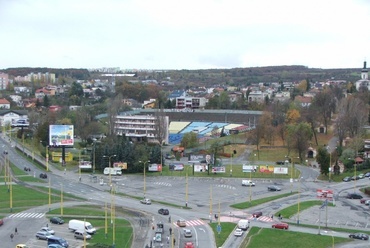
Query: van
[[58, 241], [243, 224], [81, 235], [112, 171], [80, 225]]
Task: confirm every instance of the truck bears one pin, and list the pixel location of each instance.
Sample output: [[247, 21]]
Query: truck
[[112, 171], [243, 224], [80, 225]]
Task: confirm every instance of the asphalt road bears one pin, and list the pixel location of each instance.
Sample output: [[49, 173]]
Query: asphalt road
[[204, 196]]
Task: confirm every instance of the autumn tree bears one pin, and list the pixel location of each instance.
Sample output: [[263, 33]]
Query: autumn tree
[[299, 136], [189, 140], [325, 105]]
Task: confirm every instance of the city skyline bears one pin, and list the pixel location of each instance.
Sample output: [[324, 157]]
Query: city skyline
[[165, 34]]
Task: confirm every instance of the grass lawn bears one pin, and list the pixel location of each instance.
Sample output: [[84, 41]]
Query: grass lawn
[[271, 238], [226, 229]]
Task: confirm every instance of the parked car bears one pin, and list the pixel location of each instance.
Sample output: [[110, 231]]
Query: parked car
[[43, 235], [257, 214], [146, 201], [367, 202], [43, 175], [47, 229], [181, 223], [363, 200], [346, 179], [189, 245], [55, 246], [354, 196], [56, 220], [361, 236], [281, 225], [1, 222], [273, 188], [361, 176], [367, 174], [238, 232], [81, 235], [355, 178], [188, 233], [164, 211]]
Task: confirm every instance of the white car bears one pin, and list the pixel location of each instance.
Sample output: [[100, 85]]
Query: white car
[[146, 201], [248, 183], [238, 232], [47, 229], [188, 233]]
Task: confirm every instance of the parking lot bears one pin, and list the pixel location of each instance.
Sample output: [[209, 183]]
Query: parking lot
[[60, 231]]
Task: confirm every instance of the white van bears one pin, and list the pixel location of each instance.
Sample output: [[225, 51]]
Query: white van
[[248, 183], [75, 225], [112, 171], [243, 224]]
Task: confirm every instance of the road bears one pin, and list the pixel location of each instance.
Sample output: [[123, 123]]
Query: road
[[206, 196]]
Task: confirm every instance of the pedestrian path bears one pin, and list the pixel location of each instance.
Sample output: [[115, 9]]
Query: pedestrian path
[[236, 217], [26, 215], [197, 222]]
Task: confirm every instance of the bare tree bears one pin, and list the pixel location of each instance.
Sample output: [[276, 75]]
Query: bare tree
[[325, 105], [161, 126]]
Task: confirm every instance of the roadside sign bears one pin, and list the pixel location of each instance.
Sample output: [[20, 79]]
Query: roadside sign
[[218, 229]]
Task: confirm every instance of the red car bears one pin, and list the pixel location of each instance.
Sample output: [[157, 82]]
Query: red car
[[1, 222], [189, 245], [363, 200], [281, 225]]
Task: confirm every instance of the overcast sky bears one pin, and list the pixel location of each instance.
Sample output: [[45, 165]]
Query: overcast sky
[[184, 34]]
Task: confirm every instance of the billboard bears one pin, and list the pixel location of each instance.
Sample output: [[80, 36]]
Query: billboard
[[155, 167], [61, 135], [281, 170], [218, 169], [266, 168], [249, 168], [176, 167], [324, 193]]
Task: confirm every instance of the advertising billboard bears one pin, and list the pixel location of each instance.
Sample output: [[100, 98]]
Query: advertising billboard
[[266, 168], [61, 135], [155, 167], [249, 168], [281, 170]]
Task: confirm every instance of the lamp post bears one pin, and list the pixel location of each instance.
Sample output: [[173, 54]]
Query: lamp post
[[144, 165], [299, 199], [110, 172], [47, 157]]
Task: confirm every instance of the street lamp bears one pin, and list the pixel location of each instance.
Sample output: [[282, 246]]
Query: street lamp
[[299, 198], [110, 172], [144, 165]]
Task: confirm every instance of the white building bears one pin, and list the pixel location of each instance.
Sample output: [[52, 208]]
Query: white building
[[364, 81], [190, 102], [139, 127]]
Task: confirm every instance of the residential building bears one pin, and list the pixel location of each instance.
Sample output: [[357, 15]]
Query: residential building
[[139, 127], [4, 104], [177, 93], [7, 117], [190, 102], [258, 96], [4, 81]]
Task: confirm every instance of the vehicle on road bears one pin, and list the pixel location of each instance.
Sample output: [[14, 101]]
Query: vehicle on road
[[43, 175], [248, 183], [81, 235], [238, 232], [273, 188], [188, 233], [257, 214], [43, 235], [56, 220], [363, 200], [354, 196], [164, 211], [146, 201], [181, 223], [346, 179], [47, 229], [361, 236], [189, 245], [243, 224], [281, 225], [80, 225]]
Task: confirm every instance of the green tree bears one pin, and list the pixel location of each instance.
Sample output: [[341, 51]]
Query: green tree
[[189, 140], [299, 136], [323, 159]]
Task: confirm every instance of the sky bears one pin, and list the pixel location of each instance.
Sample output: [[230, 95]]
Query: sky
[[184, 34]]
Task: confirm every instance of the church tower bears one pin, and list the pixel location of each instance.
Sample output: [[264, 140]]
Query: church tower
[[364, 72]]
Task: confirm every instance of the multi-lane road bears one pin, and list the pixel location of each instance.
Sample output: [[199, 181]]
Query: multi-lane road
[[204, 196]]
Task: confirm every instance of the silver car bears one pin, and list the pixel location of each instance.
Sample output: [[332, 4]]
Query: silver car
[[43, 235], [47, 229]]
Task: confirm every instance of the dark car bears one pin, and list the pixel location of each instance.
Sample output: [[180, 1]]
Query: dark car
[[257, 214], [355, 178], [164, 211], [56, 220], [43, 175], [361, 236], [281, 225], [273, 188], [367, 174], [354, 196], [347, 179]]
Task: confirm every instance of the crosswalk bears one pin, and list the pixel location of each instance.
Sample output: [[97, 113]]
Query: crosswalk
[[225, 186], [261, 218], [196, 222], [25, 215], [163, 184]]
